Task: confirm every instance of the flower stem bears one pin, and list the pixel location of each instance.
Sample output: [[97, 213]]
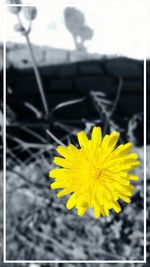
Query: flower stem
[[35, 68], [37, 75]]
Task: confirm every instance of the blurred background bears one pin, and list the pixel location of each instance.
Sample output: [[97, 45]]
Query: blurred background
[[70, 66]]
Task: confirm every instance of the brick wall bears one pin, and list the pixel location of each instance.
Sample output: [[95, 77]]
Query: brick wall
[[70, 81]]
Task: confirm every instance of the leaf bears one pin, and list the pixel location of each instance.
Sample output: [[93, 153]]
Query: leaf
[[68, 103], [95, 93], [34, 109], [104, 101]]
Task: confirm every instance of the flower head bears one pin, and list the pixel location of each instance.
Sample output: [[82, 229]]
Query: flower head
[[96, 174], [13, 8]]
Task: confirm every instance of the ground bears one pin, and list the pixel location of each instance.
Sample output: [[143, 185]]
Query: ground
[[40, 227]]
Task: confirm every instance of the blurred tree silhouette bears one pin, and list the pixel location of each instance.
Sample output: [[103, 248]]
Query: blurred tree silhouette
[[75, 23]]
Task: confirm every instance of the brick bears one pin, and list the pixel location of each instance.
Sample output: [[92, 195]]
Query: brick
[[95, 83], [133, 86], [124, 67], [67, 70], [90, 67], [60, 85], [129, 105]]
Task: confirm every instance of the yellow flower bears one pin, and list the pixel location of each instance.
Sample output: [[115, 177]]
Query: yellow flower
[[96, 174]]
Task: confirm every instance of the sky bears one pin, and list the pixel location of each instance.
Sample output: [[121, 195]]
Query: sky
[[119, 26]]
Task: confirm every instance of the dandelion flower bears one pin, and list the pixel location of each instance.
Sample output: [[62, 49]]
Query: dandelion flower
[[96, 175]]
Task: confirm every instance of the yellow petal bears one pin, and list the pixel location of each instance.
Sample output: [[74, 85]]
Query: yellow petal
[[131, 156], [81, 211], [123, 149], [82, 138], [126, 190], [116, 206], [124, 198], [97, 212], [57, 185], [113, 139], [96, 135], [129, 166], [73, 149], [99, 195], [105, 142], [122, 181], [112, 192], [133, 177], [71, 201], [63, 162], [104, 210], [83, 200], [64, 192], [63, 151], [56, 173], [130, 161]]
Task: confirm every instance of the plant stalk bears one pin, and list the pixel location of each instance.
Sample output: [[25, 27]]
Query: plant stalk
[[37, 75], [35, 68], [114, 105]]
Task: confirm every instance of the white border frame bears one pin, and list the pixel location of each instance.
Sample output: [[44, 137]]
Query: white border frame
[[4, 150]]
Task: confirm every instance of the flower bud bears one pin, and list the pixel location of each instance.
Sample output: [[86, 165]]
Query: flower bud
[[30, 13], [19, 28], [14, 9]]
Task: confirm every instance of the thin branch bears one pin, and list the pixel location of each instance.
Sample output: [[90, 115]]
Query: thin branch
[[33, 133], [55, 138]]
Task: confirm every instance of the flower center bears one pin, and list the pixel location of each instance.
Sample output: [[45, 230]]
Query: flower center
[[96, 173]]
